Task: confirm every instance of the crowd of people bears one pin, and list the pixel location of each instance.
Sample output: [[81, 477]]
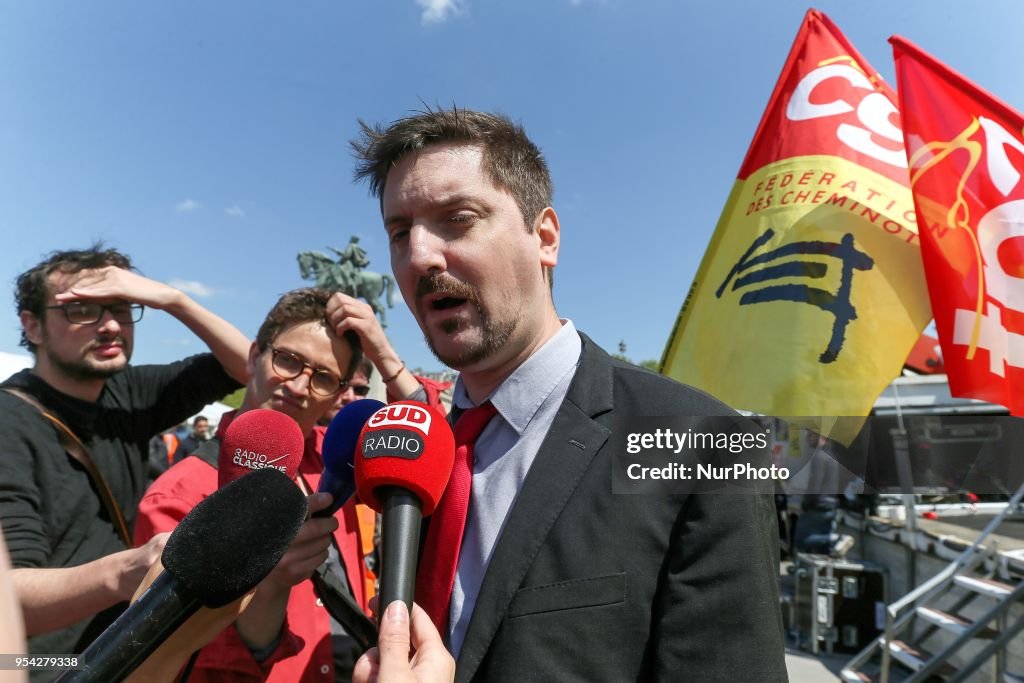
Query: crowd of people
[[529, 569]]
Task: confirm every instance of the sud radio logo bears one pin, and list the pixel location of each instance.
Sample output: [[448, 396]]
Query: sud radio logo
[[401, 415], [396, 431]]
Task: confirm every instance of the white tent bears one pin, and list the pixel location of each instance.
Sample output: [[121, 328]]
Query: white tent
[[11, 363], [212, 413]]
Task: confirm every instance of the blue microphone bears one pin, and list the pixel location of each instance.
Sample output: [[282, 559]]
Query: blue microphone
[[339, 450]]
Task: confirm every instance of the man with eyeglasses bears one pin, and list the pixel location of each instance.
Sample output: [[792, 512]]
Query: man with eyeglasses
[[359, 385], [78, 311], [300, 363]]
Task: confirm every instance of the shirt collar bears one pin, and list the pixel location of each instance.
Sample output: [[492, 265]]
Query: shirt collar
[[521, 394]]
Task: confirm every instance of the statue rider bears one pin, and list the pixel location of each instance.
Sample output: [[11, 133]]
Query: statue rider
[[350, 262]]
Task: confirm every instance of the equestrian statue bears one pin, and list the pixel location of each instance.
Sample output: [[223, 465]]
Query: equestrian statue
[[347, 275]]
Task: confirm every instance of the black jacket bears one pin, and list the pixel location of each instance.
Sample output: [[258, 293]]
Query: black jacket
[[587, 585]]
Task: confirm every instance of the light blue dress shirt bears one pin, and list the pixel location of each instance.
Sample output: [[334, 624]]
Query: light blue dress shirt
[[527, 402]]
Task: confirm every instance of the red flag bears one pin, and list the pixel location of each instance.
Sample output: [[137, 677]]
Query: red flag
[[966, 153]]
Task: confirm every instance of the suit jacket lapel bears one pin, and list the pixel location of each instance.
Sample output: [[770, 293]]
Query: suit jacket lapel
[[565, 455]]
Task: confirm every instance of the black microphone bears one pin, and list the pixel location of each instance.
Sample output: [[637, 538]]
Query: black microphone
[[403, 463], [224, 547]]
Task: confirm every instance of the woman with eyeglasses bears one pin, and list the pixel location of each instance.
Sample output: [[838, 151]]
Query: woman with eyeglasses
[[299, 365]]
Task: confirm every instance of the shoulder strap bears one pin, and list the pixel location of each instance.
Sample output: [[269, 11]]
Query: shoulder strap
[[76, 449], [340, 605]]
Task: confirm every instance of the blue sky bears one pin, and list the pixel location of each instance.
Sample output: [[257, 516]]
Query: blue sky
[[209, 139]]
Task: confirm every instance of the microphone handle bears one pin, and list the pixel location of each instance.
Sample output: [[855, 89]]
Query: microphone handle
[[341, 487], [136, 634], [400, 539]]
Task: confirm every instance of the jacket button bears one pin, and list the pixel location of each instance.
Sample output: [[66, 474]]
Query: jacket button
[[324, 669]]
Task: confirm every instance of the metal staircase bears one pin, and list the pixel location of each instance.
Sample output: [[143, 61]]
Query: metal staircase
[[897, 655]]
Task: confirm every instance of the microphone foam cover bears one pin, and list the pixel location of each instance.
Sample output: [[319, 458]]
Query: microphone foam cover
[[231, 540], [259, 439], [339, 448], [406, 444]]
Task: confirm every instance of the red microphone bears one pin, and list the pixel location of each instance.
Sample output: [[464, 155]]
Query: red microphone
[[258, 439], [403, 462]]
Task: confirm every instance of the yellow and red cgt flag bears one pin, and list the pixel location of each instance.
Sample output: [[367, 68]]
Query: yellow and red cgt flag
[[811, 292], [966, 153]]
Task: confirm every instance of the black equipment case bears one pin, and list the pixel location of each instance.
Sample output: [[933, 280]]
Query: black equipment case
[[839, 605]]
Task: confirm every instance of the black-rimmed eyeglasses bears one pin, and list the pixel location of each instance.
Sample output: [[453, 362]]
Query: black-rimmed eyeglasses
[[288, 365], [89, 312]]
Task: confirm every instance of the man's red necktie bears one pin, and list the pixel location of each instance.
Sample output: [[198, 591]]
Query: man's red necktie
[[436, 575]]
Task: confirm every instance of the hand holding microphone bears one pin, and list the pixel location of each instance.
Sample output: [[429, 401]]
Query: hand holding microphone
[[257, 439], [168, 660], [226, 545], [307, 551], [400, 635], [403, 462], [266, 439], [137, 563]]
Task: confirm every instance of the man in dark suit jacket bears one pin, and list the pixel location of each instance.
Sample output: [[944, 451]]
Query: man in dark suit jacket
[[558, 578]]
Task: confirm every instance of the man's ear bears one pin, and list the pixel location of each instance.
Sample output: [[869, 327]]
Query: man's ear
[[250, 363], [548, 232], [32, 326]]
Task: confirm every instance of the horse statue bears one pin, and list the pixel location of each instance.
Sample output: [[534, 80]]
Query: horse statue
[[348, 279]]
